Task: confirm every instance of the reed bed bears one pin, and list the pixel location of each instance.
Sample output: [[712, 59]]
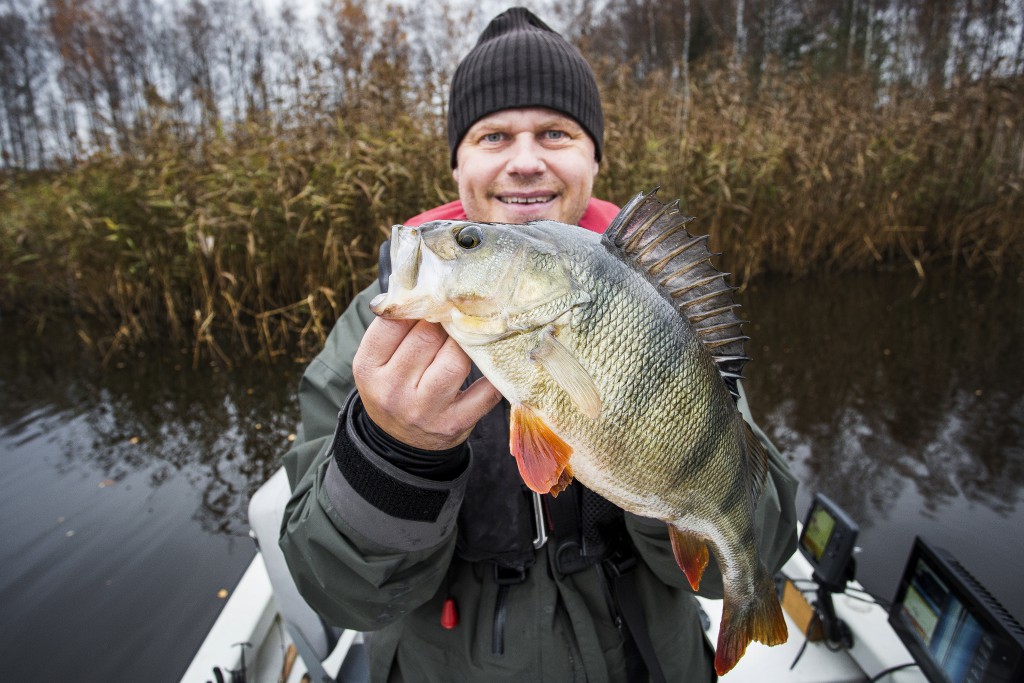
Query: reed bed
[[249, 241], [809, 176]]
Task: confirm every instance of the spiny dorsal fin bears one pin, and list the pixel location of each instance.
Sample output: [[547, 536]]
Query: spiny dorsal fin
[[652, 236]]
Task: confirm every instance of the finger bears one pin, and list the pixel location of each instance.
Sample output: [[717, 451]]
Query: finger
[[463, 414], [478, 400], [444, 376], [416, 353], [420, 345], [380, 341], [472, 405]]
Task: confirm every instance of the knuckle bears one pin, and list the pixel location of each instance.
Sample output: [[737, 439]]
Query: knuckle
[[455, 359], [427, 334], [453, 372]]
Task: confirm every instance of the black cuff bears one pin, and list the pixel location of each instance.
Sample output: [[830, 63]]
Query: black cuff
[[444, 465], [385, 490]]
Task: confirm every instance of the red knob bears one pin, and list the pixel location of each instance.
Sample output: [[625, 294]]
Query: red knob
[[449, 614]]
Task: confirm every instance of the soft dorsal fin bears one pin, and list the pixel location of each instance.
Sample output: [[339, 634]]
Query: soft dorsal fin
[[653, 237]]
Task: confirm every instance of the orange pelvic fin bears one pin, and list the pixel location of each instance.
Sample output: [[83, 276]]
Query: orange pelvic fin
[[542, 456], [758, 618], [691, 554]]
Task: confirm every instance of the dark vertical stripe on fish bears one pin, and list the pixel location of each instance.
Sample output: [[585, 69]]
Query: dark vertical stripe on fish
[[735, 496]]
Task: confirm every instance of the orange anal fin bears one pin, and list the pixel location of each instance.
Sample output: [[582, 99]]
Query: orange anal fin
[[691, 554], [757, 619], [564, 479], [542, 456]]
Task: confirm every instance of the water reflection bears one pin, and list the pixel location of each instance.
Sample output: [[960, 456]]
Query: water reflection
[[903, 403], [870, 385], [123, 503], [224, 430], [867, 379], [882, 389]]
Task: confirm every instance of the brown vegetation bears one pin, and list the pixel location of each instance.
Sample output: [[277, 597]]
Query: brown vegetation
[[248, 238]]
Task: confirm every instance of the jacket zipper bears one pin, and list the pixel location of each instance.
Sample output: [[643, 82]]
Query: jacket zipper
[[505, 577], [498, 628]]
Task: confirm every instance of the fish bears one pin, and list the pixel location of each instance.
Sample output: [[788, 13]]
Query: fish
[[620, 356]]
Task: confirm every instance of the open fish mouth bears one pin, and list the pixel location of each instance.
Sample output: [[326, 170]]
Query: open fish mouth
[[412, 290], [406, 256]]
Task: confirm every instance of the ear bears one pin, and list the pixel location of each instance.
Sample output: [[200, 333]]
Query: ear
[[455, 175]]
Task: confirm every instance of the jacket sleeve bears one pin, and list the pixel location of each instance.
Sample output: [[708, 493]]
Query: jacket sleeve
[[774, 522], [370, 543]]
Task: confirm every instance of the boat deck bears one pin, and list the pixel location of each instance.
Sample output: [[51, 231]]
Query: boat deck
[[250, 616]]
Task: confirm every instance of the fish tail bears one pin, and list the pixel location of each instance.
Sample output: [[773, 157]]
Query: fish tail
[[757, 617]]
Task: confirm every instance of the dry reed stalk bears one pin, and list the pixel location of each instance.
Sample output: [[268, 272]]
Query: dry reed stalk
[[263, 233]]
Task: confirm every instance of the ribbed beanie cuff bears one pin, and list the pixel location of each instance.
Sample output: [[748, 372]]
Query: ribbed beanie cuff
[[520, 62]]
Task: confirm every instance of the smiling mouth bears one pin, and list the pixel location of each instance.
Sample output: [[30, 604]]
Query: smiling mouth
[[527, 200]]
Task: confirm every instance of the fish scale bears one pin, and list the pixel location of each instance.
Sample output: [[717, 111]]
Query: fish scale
[[609, 380]]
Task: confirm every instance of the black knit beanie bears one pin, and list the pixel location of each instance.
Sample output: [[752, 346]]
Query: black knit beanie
[[520, 62]]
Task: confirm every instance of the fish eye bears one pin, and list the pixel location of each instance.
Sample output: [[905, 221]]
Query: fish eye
[[469, 237]]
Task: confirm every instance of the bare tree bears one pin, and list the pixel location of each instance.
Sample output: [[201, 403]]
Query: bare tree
[[1018, 58], [102, 50], [80, 75], [22, 75], [348, 34], [740, 40], [684, 60]]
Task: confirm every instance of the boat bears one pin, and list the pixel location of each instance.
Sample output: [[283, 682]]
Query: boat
[[266, 632]]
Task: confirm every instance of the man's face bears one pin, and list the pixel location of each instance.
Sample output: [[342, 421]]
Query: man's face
[[520, 165]]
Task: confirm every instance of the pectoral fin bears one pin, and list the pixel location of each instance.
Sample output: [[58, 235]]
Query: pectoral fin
[[565, 369], [542, 456], [691, 554]]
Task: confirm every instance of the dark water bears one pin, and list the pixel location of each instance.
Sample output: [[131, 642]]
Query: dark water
[[122, 505], [903, 402]]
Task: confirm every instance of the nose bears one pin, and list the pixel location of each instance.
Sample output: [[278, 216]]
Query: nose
[[526, 157]]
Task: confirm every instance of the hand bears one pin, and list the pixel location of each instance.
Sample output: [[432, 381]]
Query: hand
[[409, 374]]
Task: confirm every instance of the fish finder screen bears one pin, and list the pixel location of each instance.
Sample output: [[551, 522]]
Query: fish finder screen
[[954, 639], [817, 532]]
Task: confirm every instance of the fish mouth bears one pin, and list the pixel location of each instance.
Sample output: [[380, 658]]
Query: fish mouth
[[406, 257], [408, 296], [412, 309]]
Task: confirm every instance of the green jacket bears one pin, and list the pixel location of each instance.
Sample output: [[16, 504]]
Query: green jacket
[[363, 569]]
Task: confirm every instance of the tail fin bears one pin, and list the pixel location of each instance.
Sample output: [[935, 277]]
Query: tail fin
[[757, 617]]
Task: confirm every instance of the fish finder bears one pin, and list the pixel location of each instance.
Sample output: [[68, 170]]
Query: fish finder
[[956, 630], [827, 541]]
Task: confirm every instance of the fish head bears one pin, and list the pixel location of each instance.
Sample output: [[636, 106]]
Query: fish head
[[482, 281]]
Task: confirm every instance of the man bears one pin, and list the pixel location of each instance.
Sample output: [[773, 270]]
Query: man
[[408, 518]]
